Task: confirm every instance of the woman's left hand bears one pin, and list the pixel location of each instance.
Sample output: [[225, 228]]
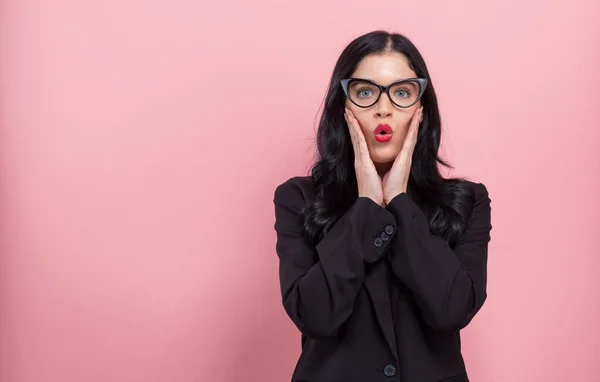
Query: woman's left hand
[[395, 181]]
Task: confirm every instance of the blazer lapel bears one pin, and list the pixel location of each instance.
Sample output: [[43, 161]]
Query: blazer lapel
[[376, 283]]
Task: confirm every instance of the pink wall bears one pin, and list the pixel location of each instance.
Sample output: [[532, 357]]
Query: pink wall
[[141, 142]]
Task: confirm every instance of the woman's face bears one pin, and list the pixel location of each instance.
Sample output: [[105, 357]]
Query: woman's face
[[383, 69]]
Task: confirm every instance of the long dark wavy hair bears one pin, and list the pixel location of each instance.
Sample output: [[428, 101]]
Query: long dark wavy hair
[[448, 202]]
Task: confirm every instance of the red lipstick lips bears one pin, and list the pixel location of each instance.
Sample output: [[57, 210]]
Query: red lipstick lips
[[383, 133]]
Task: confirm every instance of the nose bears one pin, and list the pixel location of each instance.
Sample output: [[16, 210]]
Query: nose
[[383, 107]]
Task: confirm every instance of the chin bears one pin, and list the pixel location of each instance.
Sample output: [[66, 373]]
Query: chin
[[384, 156], [382, 160]]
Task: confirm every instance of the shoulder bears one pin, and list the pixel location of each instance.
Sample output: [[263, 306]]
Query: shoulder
[[465, 193], [479, 196], [477, 190], [470, 196], [481, 214], [296, 190]]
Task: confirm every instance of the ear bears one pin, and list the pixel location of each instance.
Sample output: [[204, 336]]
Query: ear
[[421, 119]]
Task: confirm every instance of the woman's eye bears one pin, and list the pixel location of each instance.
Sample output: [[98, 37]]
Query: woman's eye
[[403, 93], [364, 93]]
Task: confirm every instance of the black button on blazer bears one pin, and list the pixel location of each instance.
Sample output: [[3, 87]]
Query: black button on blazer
[[380, 298]]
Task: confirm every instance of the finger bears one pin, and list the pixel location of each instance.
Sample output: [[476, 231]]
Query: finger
[[349, 124], [417, 125], [352, 123], [360, 137], [411, 138], [352, 131], [416, 119]]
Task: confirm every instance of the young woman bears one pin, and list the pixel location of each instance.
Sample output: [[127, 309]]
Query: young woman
[[382, 260]]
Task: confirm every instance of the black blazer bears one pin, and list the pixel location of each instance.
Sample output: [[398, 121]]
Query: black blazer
[[379, 298]]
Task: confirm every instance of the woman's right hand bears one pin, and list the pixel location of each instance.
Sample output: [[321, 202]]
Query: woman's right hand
[[369, 182]]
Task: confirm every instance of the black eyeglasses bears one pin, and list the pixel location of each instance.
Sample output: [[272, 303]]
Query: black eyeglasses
[[366, 93]]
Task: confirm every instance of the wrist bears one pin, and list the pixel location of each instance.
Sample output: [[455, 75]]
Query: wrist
[[391, 197]]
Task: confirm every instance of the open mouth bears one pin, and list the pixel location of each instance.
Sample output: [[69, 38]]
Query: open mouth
[[383, 129], [383, 133]]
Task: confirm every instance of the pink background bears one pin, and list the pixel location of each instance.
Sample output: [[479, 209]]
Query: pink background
[[141, 142]]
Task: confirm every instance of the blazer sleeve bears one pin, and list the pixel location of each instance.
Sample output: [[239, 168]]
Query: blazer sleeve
[[319, 283], [448, 285]]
